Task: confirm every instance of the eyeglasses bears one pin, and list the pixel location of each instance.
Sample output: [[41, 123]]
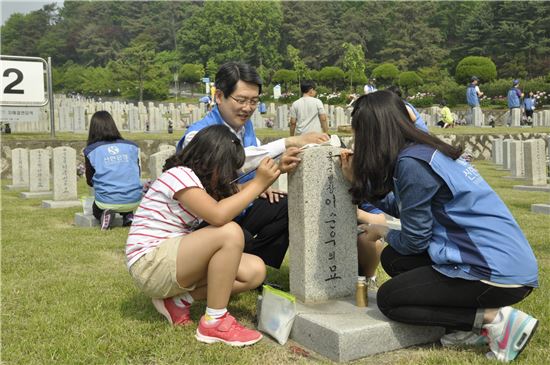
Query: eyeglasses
[[244, 101]]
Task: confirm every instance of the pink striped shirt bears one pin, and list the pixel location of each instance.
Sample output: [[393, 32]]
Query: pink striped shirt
[[160, 216]]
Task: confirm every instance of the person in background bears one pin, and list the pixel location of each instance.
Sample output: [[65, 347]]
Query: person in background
[[307, 114], [447, 120], [514, 99], [472, 95], [370, 87], [174, 261], [112, 169], [529, 104], [460, 259], [414, 115]]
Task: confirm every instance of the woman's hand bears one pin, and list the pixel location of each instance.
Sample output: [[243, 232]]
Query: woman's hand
[[346, 158], [379, 230]]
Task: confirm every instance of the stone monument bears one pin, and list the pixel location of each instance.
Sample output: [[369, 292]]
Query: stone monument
[[39, 172], [64, 179], [323, 268]]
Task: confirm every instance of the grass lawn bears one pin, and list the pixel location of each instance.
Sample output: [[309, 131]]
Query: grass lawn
[[67, 298]]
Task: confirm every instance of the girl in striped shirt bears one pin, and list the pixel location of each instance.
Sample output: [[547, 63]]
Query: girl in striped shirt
[[175, 263]]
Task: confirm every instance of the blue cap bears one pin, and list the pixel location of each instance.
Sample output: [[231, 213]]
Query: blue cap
[[516, 81], [474, 78]]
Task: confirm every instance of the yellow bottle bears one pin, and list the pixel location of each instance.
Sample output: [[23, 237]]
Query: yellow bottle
[[361, 292]]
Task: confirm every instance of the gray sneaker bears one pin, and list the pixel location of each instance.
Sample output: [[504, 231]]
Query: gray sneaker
[[463, 338]]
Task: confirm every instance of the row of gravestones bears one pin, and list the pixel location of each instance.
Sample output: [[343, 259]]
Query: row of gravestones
[[73, 115], [527, 162], [31, 170]]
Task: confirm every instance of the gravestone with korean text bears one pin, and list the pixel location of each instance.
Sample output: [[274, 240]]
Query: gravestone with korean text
[[323, 228], [39, 172], [19, 169]]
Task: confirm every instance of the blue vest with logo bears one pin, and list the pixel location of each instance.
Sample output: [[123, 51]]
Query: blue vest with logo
[[214, 118], [513, 98], [117, 177], [474, 236], [471, 96], [529, 103], [419, 122]]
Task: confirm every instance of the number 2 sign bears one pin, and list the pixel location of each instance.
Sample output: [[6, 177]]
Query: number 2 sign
[[22, 82]]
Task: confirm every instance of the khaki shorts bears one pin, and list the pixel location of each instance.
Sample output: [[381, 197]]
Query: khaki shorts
[[155, 272]]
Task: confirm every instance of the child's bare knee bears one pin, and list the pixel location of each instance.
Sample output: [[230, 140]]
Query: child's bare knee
[[233, 234]]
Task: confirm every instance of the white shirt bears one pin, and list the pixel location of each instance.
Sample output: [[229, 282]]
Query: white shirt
[[160, 216], [253, 154]]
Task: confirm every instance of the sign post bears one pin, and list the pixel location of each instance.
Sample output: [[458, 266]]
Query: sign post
[[24, 81]]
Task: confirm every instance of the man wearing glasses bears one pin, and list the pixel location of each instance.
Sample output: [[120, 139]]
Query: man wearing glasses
[[265, 222]]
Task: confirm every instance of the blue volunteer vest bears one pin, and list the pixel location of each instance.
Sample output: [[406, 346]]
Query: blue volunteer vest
[[214, 118], [513, 98], [475, 236], [529, 103], [419, 122], [117, 177], [471, 96]]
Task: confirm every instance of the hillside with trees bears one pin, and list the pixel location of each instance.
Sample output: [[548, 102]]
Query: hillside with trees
[[140, 49]]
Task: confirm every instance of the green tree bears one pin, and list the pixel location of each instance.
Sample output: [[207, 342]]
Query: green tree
[[134, 67], [223, 31], [192, 74], [332, 75], [482, 67], [409, 80], [211, 69], [285, 77], [298, 65], [354, 61], [386, 74]]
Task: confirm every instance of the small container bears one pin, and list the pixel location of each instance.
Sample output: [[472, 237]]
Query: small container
[[361, 292], [87, 203]]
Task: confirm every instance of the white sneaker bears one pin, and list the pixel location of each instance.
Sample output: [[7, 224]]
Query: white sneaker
[[371, 285], [509, 337], [463, 338]]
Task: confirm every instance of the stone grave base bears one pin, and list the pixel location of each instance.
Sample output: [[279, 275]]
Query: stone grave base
[[541, 208], [36, 194], [16, 187], [84, 220], [61, 203], [343, 332], [543, 188]]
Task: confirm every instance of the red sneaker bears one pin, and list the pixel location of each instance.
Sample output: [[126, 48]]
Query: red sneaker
[[177, 316], [228, 331]]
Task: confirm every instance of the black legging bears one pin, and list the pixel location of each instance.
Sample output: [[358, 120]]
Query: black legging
[[97, 211], [418, 294]]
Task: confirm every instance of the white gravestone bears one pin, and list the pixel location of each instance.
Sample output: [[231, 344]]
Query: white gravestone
[[323, 228], [19, 169], [516, 159], [497, 151], [39, 184], [535, 164], [157, 160], [64, 179]]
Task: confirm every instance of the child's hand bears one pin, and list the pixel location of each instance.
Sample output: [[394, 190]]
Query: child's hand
[[346, 158], [289, 159], [267, 172]]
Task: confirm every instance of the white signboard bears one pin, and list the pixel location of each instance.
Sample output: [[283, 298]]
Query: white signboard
[[11, 114], [277, 92], [22, 82]]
